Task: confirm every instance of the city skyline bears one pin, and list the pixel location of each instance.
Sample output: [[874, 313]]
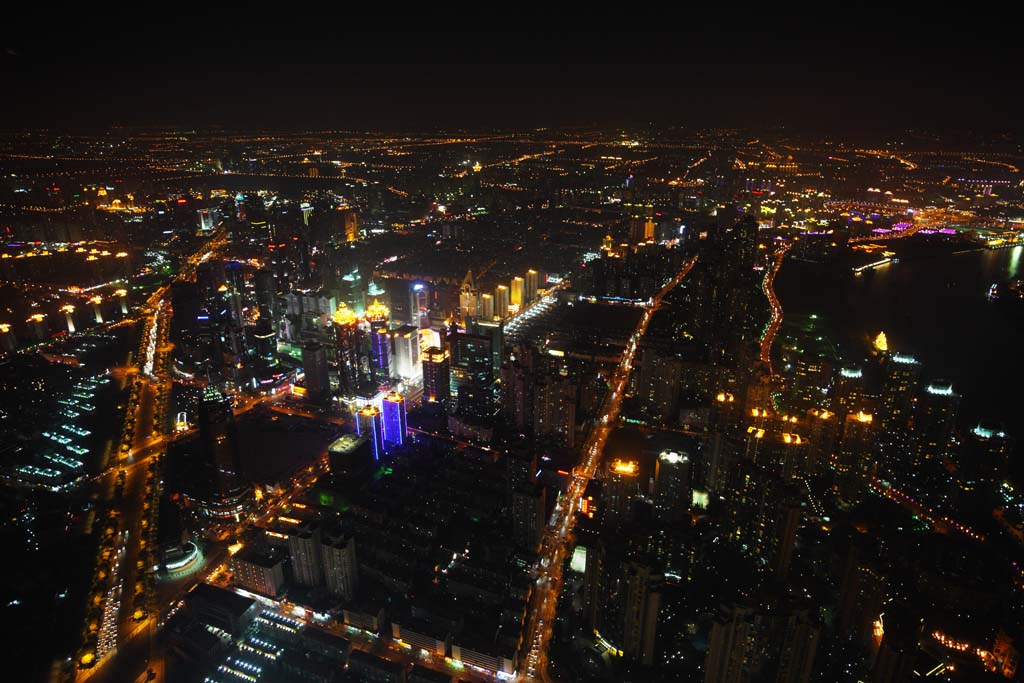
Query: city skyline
[[511, 358]]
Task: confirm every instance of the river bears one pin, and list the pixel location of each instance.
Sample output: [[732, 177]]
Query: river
[[934, 307]]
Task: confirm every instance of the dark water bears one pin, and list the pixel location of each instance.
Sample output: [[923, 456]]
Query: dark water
[[933, 307]]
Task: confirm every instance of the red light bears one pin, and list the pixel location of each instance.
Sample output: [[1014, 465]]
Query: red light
[[181, 201]]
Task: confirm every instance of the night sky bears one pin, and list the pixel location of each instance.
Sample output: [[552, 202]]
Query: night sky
[[874, 71]]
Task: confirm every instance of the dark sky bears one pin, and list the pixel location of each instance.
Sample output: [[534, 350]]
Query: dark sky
[[869, 70]]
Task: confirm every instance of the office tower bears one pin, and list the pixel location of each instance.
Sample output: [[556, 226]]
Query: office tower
[[899, 386], [735, 645], [314, 366], [369, 425], [672, 492], [350, 355], [393, 420], [380, 356], [517, 292], [621, 485], [306, 551], [226, 494], [341, 572], [501, 301], [405, 342], [350, 224], [528, 506], [934, 420], [532, 283], [436, 376], [554, 409], [266, 296], [985, 454], [486, 306], [800, 636]]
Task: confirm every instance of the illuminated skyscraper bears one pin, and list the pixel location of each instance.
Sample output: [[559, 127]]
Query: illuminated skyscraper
[[487, 306], [532, 283], [501, 301], [517, 291], [934, 420], [380, 355], [350, 350], [394, 420], [436, 376], [405, 341], [350, 224], [370, 425]]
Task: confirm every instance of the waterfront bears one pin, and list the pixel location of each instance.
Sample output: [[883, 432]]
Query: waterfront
[[934, 307]]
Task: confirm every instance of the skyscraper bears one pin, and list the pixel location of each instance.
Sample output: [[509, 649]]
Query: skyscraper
[[517, 291], [226, 495], [369, 424], [532, 280], [934, 420], [405, 342], [902, 374], [528, 515], [314, 366], [501, 301], [307, 553], [394, 420], [351, 354], [380, 355], [621, 486], [554, 408], [341, 572], [672, 491], [487, 306], [436, 376]]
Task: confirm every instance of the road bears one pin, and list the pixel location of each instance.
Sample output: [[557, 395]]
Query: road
[[141, 441], [773, 301], [544, 598]]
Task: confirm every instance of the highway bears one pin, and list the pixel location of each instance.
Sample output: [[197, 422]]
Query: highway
[[544, 597]]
